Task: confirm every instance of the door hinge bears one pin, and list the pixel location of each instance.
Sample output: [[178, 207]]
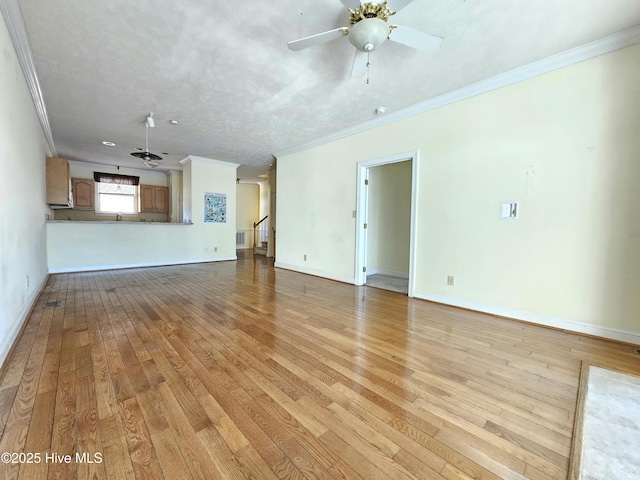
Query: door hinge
[[364, 269], [366, 181], [365, 225]]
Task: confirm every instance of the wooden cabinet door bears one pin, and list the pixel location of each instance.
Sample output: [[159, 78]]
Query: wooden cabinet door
[[58, 181], [83, 193], [154, 199], [147, 198], [161, 200]]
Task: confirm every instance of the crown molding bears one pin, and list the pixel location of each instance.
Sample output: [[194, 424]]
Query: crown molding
[[195, 158], [18, 33], [575, 55]]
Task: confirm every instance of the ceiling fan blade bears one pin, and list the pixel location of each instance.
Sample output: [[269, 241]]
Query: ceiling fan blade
[[415, 39], [353, 4], [360, 61], [398, 5], [317, 39]]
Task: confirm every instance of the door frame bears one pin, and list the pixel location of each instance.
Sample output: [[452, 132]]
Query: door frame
[[362, 196]]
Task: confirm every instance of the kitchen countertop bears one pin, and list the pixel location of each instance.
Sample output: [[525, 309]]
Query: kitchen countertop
[[111, 222]]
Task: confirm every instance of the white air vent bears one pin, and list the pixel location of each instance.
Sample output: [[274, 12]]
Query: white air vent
[[240, 238]]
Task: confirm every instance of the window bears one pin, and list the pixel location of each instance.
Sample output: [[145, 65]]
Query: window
[[116, 193]]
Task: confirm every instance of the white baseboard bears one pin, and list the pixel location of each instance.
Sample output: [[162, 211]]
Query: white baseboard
[[95, 268], [388, 273], [15, 330], [537, 318], [316, 273]]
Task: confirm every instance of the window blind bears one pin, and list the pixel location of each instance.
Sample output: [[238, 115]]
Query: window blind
[[116, 178]]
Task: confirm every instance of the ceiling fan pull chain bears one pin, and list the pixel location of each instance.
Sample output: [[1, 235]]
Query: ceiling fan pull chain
[[368, 65]]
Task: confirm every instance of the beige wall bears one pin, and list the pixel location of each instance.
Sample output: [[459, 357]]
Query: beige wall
[[265, 198], [248, 211], [23, 148], [564, 144], [389, 219]]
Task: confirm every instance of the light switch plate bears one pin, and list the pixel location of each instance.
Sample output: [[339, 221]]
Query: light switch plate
[[509, 210]]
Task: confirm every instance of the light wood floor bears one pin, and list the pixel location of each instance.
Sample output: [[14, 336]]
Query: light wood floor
[[237, 370]]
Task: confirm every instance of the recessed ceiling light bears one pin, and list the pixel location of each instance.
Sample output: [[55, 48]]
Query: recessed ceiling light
[[173, 122], [109, 144], [380, 110]]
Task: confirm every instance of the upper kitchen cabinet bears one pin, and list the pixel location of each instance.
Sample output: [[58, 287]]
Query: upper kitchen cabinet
[[58, 183], [83, 193], [154, 199]]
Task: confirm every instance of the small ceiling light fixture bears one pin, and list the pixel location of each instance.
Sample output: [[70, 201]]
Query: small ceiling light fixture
[[148, 122], [109, 144], [380, 110], [173, 122]]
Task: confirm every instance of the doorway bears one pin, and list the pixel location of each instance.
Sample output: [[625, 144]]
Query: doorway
[[386, 213]]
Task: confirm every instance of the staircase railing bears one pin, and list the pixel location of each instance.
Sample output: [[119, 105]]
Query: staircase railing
[[263, 232]]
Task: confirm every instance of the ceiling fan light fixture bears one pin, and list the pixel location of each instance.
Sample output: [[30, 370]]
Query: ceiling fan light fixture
[[149, 159], [368, 34]]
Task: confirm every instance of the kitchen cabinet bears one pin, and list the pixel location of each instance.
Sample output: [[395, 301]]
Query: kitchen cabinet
[[83, 193], [58, 180], [154, 199]]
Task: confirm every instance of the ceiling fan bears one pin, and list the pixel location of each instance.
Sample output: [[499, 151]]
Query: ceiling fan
[[150, 159], [369, 29]]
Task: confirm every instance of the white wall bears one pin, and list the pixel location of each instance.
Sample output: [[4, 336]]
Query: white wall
[[564, 144], [389, 219], [22, 198], [212, 176], [80, 246]]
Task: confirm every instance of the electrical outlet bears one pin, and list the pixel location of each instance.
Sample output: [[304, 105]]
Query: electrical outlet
[[305, 257], [215, 249], [450, 280], [354, 214]]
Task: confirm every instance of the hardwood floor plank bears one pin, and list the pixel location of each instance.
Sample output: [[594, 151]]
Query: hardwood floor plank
[[224, 425], [412, 464], [87, 434], [41, 425], [226, 463], [63, 434], [143, 456]]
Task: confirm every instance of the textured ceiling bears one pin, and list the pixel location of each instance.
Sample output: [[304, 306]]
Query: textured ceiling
[[223, 70]]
